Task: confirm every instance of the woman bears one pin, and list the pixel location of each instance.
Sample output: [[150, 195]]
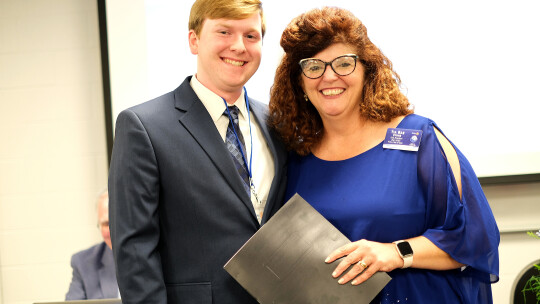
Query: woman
[[385, 177]]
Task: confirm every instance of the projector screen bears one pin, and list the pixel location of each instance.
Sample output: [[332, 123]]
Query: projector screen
[[471, 66]]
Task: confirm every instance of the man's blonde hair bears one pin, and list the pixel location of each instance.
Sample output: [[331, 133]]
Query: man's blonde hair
[[226, 9]]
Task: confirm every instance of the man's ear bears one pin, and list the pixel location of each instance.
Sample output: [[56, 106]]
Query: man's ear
[[193, 42]]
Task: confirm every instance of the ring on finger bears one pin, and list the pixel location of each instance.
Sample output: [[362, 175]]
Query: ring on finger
[[362, 264]]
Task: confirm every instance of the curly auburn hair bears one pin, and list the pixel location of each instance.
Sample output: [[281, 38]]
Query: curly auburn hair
[[295, 119]]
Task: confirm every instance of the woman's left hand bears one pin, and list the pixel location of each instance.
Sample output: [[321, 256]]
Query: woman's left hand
[[367, 258]]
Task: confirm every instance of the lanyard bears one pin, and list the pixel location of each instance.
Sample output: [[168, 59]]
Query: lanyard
[[248, 168]]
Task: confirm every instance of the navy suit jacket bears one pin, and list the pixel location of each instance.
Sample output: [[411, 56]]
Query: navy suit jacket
[[178, 209], [93, 274]]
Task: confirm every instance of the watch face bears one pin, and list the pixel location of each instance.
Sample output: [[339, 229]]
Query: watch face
[[405, 248]]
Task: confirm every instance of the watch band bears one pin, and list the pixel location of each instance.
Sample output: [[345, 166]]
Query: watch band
[[405, 251]]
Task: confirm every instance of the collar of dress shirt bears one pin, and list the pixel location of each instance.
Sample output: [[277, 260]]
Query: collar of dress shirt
[[213, 102]]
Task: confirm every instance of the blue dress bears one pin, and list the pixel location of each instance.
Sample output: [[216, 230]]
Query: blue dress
[[385, 195]]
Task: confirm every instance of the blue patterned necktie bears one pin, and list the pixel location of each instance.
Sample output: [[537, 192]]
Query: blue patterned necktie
[[234, 148]]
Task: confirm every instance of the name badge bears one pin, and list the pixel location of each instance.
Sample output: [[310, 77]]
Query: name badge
[[402, 139]]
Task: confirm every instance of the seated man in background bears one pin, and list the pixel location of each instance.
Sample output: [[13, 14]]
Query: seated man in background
[[94, 274]]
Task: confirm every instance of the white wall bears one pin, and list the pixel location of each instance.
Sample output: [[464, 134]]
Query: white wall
[[53, 159], [53, 155]]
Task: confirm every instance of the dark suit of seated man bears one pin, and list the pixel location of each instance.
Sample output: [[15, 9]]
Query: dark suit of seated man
[[94, 274]]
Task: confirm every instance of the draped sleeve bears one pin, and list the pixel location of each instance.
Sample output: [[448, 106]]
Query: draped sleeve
[[465, 227]]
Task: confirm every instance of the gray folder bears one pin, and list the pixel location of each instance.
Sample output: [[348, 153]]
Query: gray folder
[[284, 261]]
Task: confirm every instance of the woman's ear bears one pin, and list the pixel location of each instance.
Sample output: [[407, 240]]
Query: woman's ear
[[301, 83]]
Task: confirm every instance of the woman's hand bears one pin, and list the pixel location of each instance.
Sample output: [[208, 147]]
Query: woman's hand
[[367, 258]]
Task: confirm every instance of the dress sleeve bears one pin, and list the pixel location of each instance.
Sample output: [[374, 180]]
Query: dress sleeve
[[465, 228]]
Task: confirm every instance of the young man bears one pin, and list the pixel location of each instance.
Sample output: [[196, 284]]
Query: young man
[[181, 205]]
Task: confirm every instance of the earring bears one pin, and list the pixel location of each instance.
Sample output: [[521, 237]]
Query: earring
[[305, 97]]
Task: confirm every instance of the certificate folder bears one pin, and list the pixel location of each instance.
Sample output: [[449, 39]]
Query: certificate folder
[[284, 261]]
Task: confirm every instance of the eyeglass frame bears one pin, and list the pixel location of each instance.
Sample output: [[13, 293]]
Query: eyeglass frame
[[329, 64]]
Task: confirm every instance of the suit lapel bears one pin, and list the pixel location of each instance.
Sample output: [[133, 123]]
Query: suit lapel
[[107, 275], [199, 124]]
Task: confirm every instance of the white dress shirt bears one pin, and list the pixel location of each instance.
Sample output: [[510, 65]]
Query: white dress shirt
[[262, 168]]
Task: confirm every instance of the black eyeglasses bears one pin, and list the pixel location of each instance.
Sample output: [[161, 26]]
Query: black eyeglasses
[[343, 65]]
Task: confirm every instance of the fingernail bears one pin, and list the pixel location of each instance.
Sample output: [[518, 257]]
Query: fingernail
[[340, 281], [334, 274], [354, 282], [327, 259]]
